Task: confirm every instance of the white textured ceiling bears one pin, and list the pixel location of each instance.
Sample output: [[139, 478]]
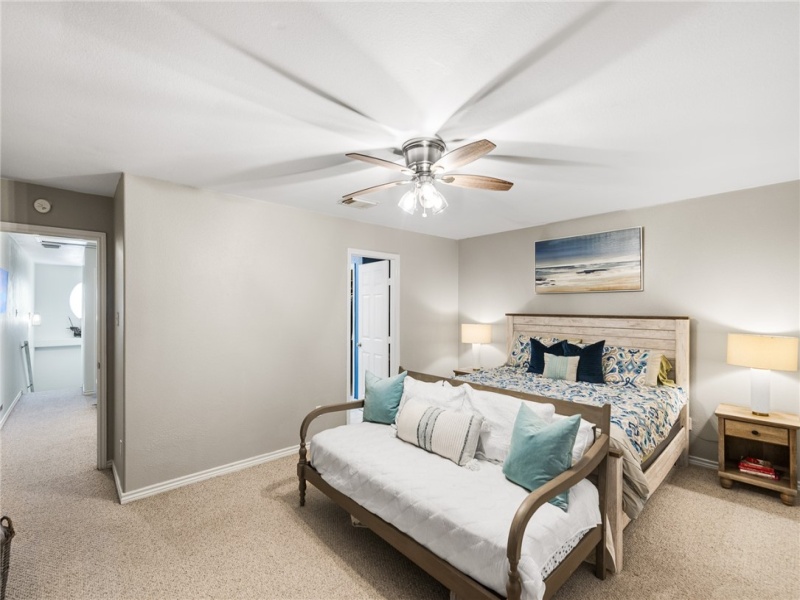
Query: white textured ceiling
[[593, 107]]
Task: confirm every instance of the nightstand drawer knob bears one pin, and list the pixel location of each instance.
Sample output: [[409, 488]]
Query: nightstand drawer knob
[[755, 432]]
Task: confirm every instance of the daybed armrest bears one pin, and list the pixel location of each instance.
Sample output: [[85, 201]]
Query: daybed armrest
[[579, 471], [304, 431], [321, 410]]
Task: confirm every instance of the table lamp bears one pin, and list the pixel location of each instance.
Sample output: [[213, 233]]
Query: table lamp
[[476, 334], [762, 353]]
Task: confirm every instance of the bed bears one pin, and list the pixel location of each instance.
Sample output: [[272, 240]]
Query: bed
[[491, 555], [650, 426]]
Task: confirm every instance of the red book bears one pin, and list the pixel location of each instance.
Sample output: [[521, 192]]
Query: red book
[[770, 474], [755, 462], [752, 467]]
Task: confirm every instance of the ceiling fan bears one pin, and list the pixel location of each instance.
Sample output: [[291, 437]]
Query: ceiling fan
[[426, 163]]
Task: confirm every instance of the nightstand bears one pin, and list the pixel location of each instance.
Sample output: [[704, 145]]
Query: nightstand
[[772, 438], [464, 371]]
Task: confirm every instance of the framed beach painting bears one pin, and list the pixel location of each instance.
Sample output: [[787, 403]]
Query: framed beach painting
[[610, 261]]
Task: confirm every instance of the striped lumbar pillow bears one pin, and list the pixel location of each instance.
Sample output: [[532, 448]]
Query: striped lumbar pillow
[[561, 367], [448, 433]]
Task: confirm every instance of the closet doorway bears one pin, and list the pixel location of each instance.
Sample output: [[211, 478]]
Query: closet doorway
[[372, 310], [88, 327]]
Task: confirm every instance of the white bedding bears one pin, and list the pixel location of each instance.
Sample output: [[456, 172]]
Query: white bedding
[[462, 515]]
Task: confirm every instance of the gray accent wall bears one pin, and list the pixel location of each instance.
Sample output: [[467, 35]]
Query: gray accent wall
[[236, 325], [730, 261], [70, 210]]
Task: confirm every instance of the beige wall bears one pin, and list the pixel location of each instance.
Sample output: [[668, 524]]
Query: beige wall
[[236, 325], [71, 210], [235, 308], [731, 262]]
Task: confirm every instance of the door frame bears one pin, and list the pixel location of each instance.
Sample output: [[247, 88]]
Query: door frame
[[99, 238], [394, 310]]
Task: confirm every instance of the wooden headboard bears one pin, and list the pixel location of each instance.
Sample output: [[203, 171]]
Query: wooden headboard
[[668, 334]]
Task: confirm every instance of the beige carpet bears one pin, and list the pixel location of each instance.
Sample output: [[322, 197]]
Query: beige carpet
[[243, 535]]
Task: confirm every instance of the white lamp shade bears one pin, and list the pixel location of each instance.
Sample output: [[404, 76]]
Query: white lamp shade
[[774, 353], [476, 333]]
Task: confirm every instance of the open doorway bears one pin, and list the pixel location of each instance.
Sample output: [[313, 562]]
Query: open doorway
[[61, 342], [373, 309]]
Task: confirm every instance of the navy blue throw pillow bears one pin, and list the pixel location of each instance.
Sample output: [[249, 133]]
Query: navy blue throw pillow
[[590, 366], [538, 350]]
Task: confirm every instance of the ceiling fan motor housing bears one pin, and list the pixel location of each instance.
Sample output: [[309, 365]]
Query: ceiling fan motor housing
[[421, 153]]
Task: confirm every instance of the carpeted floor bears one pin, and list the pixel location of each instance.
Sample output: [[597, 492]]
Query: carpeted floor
[[244, 536]]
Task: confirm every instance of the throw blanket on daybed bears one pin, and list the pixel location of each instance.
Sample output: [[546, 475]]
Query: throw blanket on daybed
[[642, 416]]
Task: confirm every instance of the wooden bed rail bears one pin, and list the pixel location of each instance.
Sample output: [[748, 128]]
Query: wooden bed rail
[[304, 432]]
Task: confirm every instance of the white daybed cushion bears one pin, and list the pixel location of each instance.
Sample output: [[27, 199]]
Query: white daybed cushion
[[435, 393], [463, 516], [499, 412]]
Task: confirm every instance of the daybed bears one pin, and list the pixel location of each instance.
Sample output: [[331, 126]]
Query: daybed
[[650, 425], [469, 527]]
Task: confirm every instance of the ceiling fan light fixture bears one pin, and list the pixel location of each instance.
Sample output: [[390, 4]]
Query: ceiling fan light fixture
[[431, 199], [425, 161], [408, 202]]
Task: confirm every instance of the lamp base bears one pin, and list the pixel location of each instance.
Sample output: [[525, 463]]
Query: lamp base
[[476, 356], [759, 392]]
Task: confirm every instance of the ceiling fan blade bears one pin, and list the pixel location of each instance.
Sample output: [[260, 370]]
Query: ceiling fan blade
[[463, 156], [533, 160], [377, 188], [477, 181], [513, 71], [380, 162], [561, 62]]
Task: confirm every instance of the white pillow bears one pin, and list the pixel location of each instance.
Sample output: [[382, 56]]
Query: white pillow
[[436, 393], [499, 412], [584, 439], [448, 433]]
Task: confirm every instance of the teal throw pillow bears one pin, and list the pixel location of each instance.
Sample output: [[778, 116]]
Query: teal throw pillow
[[382, 397], [540, 451]]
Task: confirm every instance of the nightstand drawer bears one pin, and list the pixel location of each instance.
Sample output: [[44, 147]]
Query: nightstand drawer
[[754, 431]]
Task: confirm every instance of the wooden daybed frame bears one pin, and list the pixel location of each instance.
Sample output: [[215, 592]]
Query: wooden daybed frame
[[594, 463], [667, 334]]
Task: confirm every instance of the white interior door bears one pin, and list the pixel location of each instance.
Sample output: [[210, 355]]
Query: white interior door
[[373, 320]]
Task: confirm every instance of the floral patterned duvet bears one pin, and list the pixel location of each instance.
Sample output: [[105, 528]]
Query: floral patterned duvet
[[645, 414]]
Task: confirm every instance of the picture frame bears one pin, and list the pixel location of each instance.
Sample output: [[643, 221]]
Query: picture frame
[[609, 261]]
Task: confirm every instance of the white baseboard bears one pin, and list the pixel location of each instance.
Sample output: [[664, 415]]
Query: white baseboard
[[158, 488], [703, 462], [10, 408], [117, 484]]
